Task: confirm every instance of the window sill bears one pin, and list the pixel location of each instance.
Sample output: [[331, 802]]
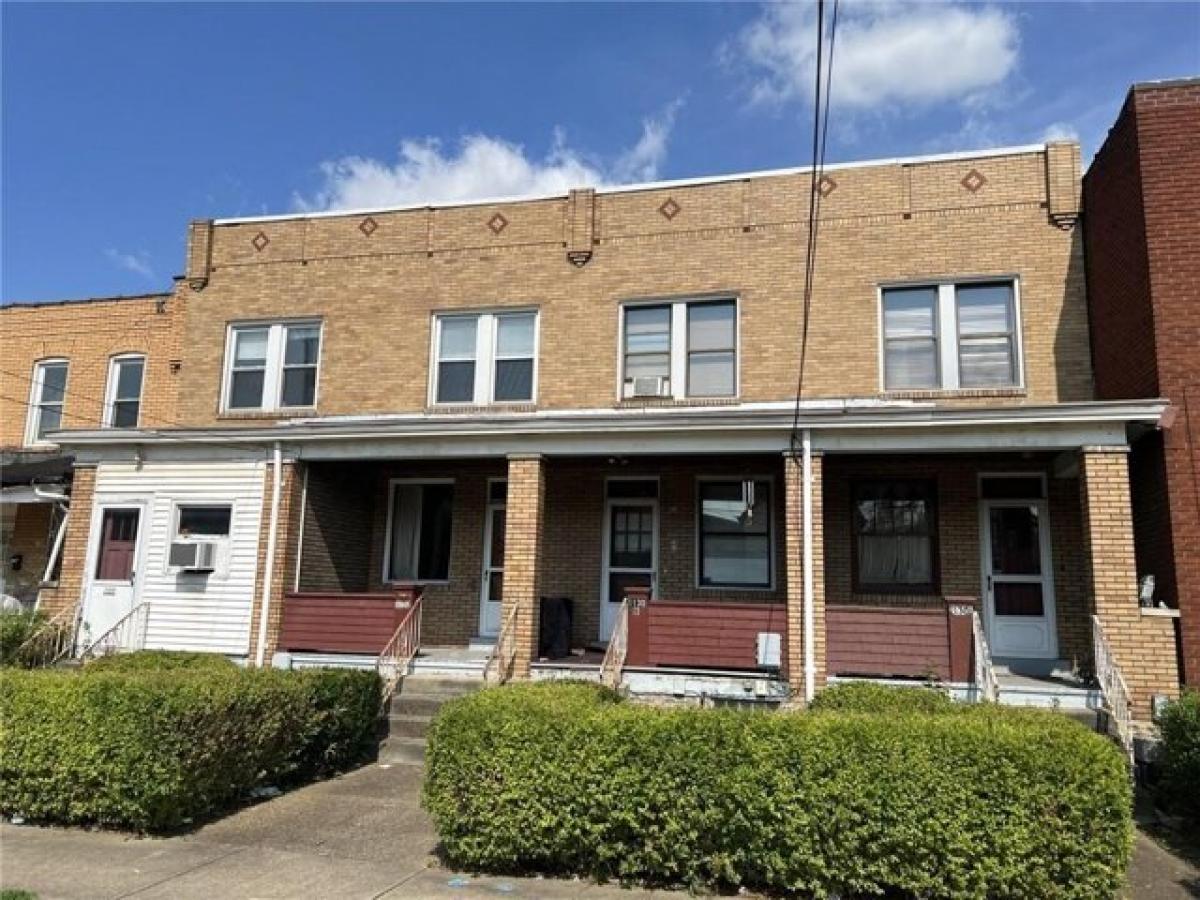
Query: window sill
[[1163, 612], [296, 412], [643, 402], [444, 409], [409, 582], [955, 394]]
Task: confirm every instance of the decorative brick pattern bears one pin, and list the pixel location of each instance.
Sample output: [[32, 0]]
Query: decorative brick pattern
[[524, 519], [1144, 645]]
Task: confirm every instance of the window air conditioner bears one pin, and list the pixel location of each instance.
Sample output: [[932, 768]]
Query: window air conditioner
[[193, 556], [650, 386]]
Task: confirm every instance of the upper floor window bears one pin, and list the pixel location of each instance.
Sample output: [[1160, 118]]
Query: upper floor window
[[687, 348], [123, 402], [46, 400], [950, 336], [485, 358], [272, 366]]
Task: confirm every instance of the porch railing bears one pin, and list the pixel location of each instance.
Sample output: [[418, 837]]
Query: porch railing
[[126, 635], [499, 666], [618, 647], [53, 640], [398, 654], [987, 686], [1113, 689]]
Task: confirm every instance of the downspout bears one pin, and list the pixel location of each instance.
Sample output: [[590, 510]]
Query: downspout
[[810, 664], [272, 537]]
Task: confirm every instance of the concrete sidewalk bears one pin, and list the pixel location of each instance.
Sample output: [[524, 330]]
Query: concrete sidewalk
[[362, 835]]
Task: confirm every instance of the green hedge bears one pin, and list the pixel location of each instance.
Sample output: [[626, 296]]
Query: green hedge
[[1179, 788], [978, 802], [868, 697], [16, 627], [157, 749], [159, 661]]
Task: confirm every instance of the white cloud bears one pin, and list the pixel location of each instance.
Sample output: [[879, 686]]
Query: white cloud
[[1060, 131], [483, 166], [887, 53], [138, 262]]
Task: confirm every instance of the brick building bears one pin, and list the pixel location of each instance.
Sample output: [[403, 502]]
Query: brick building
[[1142, 205], [592, 397]]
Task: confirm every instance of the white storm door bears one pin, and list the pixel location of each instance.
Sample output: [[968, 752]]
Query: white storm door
[[630, 554], [1018, 579], [112, 589], [492, 584]]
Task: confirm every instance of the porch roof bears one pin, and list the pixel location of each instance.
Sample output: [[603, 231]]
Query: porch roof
[[845, 425]]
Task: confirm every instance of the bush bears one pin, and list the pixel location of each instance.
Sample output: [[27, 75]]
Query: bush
[[1179, 788], [159, 661], [985, 802], [868, 697], [16, 627], [155, 749]]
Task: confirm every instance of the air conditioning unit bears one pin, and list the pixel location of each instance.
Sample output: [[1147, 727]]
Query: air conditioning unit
[[650, 386], [193, 556]]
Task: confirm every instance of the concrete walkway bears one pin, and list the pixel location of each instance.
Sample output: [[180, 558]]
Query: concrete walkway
[[359, 836]]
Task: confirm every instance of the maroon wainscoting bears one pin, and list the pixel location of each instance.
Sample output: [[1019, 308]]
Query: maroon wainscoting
[[705, 635], [900, 642], [341, 623]]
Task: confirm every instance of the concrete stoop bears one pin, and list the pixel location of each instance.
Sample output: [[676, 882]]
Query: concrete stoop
[[412, 708]]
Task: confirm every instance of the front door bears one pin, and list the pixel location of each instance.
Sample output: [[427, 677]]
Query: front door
[[492, 586], [1018, 579], [113, 587], [630, 554]]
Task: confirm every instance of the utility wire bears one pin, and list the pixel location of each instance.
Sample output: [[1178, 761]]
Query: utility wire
[[104, 404]]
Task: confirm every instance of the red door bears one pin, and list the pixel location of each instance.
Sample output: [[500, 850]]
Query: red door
[[118, 545]]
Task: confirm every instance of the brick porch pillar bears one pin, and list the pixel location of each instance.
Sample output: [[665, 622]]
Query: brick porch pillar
[[286, 541], [523, 523], [1144, 645], [793, 511], [69, 590]]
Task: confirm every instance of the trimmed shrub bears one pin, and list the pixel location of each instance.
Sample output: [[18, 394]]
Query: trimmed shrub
[[159, 661], [868, 697], [155, 749], [16, 627], [1179, 789], [985, 802]]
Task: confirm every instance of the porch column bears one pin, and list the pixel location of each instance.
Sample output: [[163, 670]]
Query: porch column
[[523, 522], [286, 542], [69, 590], [1143, 643], [793, 511]]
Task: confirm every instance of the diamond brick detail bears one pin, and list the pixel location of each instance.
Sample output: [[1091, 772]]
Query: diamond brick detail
[[367, 226], [497, 223], [260, 241], [826, 186], [973, 181], [670, 209]]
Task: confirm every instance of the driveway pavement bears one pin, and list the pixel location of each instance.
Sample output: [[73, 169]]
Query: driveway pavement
[[359, 836]]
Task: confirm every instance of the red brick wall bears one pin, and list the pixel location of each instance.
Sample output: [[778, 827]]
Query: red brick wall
[[1142, 215]]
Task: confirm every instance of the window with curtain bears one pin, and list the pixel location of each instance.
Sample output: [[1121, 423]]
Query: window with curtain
[[485, 358], [910, 344], [986, 345], [420, 531], [690, 344], [735, 533], [895, 536]]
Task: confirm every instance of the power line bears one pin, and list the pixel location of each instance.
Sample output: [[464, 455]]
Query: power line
[[104, 404]]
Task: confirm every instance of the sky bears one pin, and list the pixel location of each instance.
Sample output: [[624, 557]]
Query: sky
[[122, 122]]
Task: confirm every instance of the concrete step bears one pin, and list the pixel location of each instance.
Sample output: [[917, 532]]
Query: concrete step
[[408, 726], [402, 751], [437, 686], [417, 704]]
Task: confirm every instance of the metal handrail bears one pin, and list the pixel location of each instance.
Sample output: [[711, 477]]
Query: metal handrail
[[53, 640], [1113, 688], [128, 633], [618, 647], [986, 682], [397, 655], [499, 665]]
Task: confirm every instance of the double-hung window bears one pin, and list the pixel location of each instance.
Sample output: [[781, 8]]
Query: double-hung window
[[484, 358], [682, 349], [47, 400], [419, 531], [735, 533], [951, 336], [272, 366], [124, 401], [895, 529]]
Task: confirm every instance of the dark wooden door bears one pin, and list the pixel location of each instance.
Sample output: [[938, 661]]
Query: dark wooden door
[[118, 544]]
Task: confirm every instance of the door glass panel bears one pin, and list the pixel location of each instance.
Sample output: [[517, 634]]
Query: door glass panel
[[495, 587], [1016, 546], [118, 545], [496, 551], [632, 537], [1018, 598], [619, 581]]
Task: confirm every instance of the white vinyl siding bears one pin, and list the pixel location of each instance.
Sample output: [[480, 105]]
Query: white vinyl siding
[[204, 612]]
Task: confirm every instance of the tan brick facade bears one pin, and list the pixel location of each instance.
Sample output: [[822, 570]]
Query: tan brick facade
[[1144, 645], [286, 543], [75, 545], [524, 539]]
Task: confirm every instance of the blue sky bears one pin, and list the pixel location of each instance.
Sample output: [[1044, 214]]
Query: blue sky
[[122, 122]]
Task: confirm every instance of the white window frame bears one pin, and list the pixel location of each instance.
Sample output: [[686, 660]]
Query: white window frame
[[679, 344], [110, 394], [386, 575], [487, 337], [223, 542], [273, 375], [772, 536], [34, 407], [945, 333]]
